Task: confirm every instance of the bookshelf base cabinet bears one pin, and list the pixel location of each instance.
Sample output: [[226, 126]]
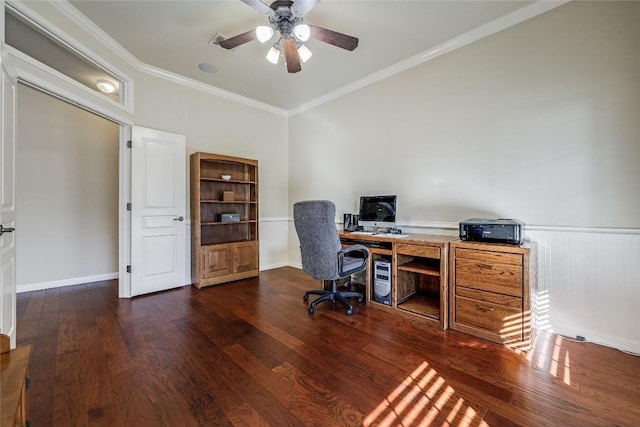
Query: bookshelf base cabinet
[[227, 262], [493, 291], [224, 216]]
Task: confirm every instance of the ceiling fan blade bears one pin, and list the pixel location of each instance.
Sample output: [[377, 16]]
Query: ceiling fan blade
[[332, 37], [260, 7], [291, 55], [235, 41], [302, 7]]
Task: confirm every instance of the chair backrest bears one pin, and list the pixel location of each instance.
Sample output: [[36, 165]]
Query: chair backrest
[[315, 222]]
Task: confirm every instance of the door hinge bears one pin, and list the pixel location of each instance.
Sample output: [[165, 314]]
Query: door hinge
[[128, 269], [129, 206], [129, 144]]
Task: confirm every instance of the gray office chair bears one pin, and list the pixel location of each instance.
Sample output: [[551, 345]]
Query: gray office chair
[[323, 257]]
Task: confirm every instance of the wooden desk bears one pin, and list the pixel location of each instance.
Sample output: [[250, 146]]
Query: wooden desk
[[419, 280], [14, 369]]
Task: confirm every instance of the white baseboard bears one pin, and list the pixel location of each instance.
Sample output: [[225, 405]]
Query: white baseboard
[[272, 266], [624, 345], [65, 282], [297, 265]]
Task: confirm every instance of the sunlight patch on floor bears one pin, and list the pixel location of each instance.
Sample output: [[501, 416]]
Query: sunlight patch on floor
[[423, 399], [549, 350]]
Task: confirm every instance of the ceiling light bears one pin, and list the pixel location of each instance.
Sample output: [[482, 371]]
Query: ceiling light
[[273, 55], [304, 53], [106, 86], [264, 33], [207, 68], [302, 32]]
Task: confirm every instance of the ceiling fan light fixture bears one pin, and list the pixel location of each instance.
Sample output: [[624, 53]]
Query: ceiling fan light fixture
[[273, 55], [304, 53], [105, 86], [264, 33], [302, 32]]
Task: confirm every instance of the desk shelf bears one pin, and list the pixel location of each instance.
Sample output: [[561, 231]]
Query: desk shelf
[[419, 275], [421, 304], [420, 268]]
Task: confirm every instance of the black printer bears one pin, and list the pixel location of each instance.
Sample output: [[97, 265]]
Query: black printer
[[492, 230]]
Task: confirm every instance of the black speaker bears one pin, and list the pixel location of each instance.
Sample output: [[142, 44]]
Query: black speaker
[[350, 222]]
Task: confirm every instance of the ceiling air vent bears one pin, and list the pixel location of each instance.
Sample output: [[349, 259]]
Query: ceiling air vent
[[217, 38]]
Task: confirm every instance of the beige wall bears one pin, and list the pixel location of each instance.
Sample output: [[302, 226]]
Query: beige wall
[[66, 191], [209, 122], [216, 125], [538, 122]]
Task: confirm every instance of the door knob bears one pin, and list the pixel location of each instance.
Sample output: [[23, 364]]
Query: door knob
[[180, 218], [5, 230]]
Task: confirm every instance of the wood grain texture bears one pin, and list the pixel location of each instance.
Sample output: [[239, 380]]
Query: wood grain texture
[[248, 354]]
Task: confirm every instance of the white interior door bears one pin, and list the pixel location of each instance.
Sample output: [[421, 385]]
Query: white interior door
[[158, 231], [8, 207]]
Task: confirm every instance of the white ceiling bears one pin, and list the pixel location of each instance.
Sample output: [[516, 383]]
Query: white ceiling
[[175, 35]]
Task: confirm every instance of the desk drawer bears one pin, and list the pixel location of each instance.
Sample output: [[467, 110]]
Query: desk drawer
[[489, 257], [418, 250], [476, 273], [496, 322]]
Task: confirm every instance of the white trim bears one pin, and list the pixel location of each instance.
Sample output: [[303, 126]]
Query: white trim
[[66, 282], [598, 230], [89, 26], [272, 266], [554, 228], [124, 216], [79, 49], [614, 342], [478, 33], [537, 8], [275, 219], [213, 90], [57, 91], [293, 264]]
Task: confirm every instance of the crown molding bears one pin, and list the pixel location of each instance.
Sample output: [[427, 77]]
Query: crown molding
[[213, 90], [90, 27], [59, 91], [478, 33], [77, 48], [537, 8]]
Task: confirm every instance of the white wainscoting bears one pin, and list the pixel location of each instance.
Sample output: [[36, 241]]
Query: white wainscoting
[[589, 284], [588, 280]]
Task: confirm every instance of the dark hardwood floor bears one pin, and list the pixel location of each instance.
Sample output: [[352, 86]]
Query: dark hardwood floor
[[248, 354]]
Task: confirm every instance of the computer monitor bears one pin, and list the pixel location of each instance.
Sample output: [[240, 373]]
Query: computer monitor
[[377, 212]]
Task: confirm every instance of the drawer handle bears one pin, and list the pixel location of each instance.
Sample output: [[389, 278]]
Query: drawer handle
[[485, 308], [487, 266]]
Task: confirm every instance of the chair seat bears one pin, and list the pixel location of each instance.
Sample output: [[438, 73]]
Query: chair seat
[[323, 256]]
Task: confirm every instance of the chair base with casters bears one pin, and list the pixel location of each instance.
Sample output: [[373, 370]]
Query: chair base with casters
[[333, 295], [322, 254]]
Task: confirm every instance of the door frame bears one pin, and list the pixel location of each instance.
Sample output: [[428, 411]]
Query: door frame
[[124, 176], [124, 216], [124, 169]]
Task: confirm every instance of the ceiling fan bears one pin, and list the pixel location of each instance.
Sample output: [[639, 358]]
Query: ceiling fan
[[285, 17]]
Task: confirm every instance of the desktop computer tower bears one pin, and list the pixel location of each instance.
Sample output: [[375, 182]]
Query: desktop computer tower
[[382, 282]]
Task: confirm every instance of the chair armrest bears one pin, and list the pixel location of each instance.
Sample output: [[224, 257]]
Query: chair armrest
[[347, 250]]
